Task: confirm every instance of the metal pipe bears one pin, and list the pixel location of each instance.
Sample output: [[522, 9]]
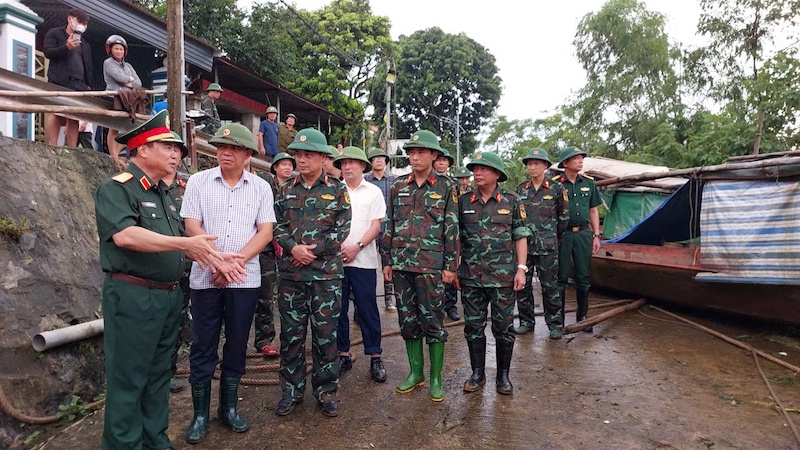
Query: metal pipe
[[54, 338]]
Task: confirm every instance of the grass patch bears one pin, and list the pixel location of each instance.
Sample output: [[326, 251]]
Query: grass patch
[[11, 229]]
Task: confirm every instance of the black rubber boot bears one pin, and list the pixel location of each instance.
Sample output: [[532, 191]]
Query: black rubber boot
[[504, 352], [201, 399], [477, 360], [228, 401], [562, 297], [582, 294]]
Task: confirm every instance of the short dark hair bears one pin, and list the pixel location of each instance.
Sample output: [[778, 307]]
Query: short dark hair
[[79, 14]]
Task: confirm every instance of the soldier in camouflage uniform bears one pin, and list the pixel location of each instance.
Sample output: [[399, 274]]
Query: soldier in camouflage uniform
[[494, 245], [548, 213], [263, 322], [442, 166], [582, 237], [418, 250], [313, 219], [463, 176]]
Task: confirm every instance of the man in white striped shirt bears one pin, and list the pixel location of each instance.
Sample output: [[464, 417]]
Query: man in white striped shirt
[[237, 206]]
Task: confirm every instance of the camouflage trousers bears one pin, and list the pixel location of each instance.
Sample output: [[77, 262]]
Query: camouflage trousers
[[450, 297], [263, 321], [546, 267], [317, 302], [420, 305], [476, 301]]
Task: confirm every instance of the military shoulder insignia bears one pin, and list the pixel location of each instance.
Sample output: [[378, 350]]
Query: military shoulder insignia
[[503, 211], [564, 193], [122, 177], [556, 178], [522, 214], [435, 196], [455, 195], [327, 197], [347, 197], [587, 176]]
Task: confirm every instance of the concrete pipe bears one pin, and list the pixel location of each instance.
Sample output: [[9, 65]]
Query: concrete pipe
[[54, 338]]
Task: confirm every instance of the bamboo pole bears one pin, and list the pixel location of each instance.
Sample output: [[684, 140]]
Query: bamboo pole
[[629, 179], [8, 93], [594, 320], [56, 109]]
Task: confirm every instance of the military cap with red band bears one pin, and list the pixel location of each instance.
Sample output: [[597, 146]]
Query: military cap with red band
[[155, 129]]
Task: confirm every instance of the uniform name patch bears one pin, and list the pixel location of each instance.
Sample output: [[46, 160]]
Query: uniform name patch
[[403, 194], [290, 196], [469, 211], [148, 204]]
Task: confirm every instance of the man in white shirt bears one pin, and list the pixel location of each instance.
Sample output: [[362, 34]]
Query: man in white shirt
[[360, 257]]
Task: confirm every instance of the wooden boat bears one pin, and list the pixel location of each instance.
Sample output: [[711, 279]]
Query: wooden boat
[[728, 240]]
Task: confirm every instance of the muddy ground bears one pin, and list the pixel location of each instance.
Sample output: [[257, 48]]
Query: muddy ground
[[635, 382]]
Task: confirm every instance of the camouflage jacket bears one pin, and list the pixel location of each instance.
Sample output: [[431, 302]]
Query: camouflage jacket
[[319, 215], [269, 249], [548, 215], [422, 225], [488, 233]]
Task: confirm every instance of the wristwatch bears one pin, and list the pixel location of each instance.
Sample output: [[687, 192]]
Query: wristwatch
[[595, 235], [360, 245], [523, 267]]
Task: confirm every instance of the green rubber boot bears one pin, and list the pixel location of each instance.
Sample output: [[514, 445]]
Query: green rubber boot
[[415, 360], [228, 401], [201, 399], [436, 391]]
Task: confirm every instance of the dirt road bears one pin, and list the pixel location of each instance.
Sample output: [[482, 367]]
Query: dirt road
[[636, 382]]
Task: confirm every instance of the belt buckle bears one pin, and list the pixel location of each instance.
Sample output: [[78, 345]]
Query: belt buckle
[[576, 229]]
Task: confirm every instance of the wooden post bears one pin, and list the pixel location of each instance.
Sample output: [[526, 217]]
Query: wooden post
[[175, 64], [190, 144], [593, 320]]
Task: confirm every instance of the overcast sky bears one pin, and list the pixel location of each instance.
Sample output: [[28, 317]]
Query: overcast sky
[[532, 41]]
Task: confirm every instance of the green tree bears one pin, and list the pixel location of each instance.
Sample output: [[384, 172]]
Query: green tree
[[438, 73]]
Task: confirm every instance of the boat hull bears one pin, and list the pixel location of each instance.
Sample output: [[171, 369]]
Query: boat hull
[[667, 274]]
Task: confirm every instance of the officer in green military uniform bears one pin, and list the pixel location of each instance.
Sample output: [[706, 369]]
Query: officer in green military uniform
[[418, 249], [313, 215], [142, 252], [263, 322], [494, 246], [209, 105], [582, 237], [548, 213], [442, 165], [463, 176]]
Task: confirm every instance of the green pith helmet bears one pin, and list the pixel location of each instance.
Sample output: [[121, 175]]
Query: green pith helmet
[[424, 139], [446, 154], [463, 172], [272, 109], [214, 87], [568, 153], [351, 152], [280, 157], [235, 134], [334, 151], [376, 152], [537, 153], [176, 138], [154, 129], [489, 159], [310, 140]]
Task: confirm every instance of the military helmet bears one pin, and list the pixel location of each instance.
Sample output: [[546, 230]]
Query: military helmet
[[424, 139], [446, 154], [537, 153], [462, 172], [568, 153], [280, 157], [116, 39], [352, 152], [235, 134], [214, 87], [375, 151], [272, 109], [177, 139], [311, 140], [292, 116], [489, 159]]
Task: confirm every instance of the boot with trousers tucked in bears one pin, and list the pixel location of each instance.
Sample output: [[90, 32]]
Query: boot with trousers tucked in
[[436, 391], [477, 359], [504, 352], [201, 399], [582, 294], [415, 360], [228, 401]]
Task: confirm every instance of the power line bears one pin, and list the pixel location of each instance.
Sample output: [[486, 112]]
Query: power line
[[341, 52]]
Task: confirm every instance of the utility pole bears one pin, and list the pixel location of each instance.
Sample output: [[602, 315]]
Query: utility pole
[[175, 100], [458, 135]]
